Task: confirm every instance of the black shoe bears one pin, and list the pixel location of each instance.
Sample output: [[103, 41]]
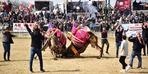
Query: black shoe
[[139, 67], [31, 70], [35, 57], [107, 52], [42, 70], [5, 60], [144, 54]]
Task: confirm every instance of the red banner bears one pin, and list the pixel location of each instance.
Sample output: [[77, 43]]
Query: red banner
[[7, 7], [123, 5]]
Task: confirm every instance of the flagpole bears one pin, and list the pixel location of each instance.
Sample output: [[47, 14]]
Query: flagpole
[[105, 10]]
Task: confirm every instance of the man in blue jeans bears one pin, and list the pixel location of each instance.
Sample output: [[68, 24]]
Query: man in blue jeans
[[138, 44], [7, 41], [36, 44]]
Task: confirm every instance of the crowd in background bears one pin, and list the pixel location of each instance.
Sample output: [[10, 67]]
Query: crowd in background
[[65, 22]]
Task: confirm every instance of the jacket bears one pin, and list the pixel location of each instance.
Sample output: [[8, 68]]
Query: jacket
[[36, 38], [7, 37], [137, 46]]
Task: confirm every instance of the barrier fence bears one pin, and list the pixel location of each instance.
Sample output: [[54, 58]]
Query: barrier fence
[[132, 28]]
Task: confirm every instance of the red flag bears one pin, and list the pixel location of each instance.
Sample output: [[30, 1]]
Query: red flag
[[123, 4], [7, 7]]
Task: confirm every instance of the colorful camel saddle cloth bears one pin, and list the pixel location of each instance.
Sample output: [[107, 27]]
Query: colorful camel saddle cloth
[[58, 36], [80, 36]]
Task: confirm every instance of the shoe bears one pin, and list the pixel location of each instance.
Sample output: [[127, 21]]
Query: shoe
[[5, 60], [139, 67], [42, 70], [144, 54], [127, 68], [107, 52], [35, 58], [116, 56], [31, 70], [55, 59]]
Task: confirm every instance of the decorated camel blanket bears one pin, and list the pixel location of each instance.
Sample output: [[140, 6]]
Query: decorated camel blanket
[[79, 36]]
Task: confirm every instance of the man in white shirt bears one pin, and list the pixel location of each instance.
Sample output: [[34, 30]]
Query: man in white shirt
[[123, 52]]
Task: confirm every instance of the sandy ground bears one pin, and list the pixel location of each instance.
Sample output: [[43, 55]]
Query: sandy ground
[[87, 64]]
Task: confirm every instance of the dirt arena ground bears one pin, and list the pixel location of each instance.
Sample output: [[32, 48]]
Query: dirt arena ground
[[87, 64]]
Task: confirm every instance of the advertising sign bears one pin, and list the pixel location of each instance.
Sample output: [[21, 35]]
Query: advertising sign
[[19, 27], [132, 28]]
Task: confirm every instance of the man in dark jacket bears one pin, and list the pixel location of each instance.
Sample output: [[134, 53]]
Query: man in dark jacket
[[138, 44], [145, 37], [7, 40], [36, 44], [118, 38], [104, 40]]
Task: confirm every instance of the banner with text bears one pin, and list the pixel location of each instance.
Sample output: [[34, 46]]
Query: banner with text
[[19, 27], [132, 28]]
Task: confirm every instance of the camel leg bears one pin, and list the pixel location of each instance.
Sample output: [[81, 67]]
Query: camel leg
[[53, 48], [74, 51], [100, 49], [46, 44], [94, 42], [101, 53], [54, 55]]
